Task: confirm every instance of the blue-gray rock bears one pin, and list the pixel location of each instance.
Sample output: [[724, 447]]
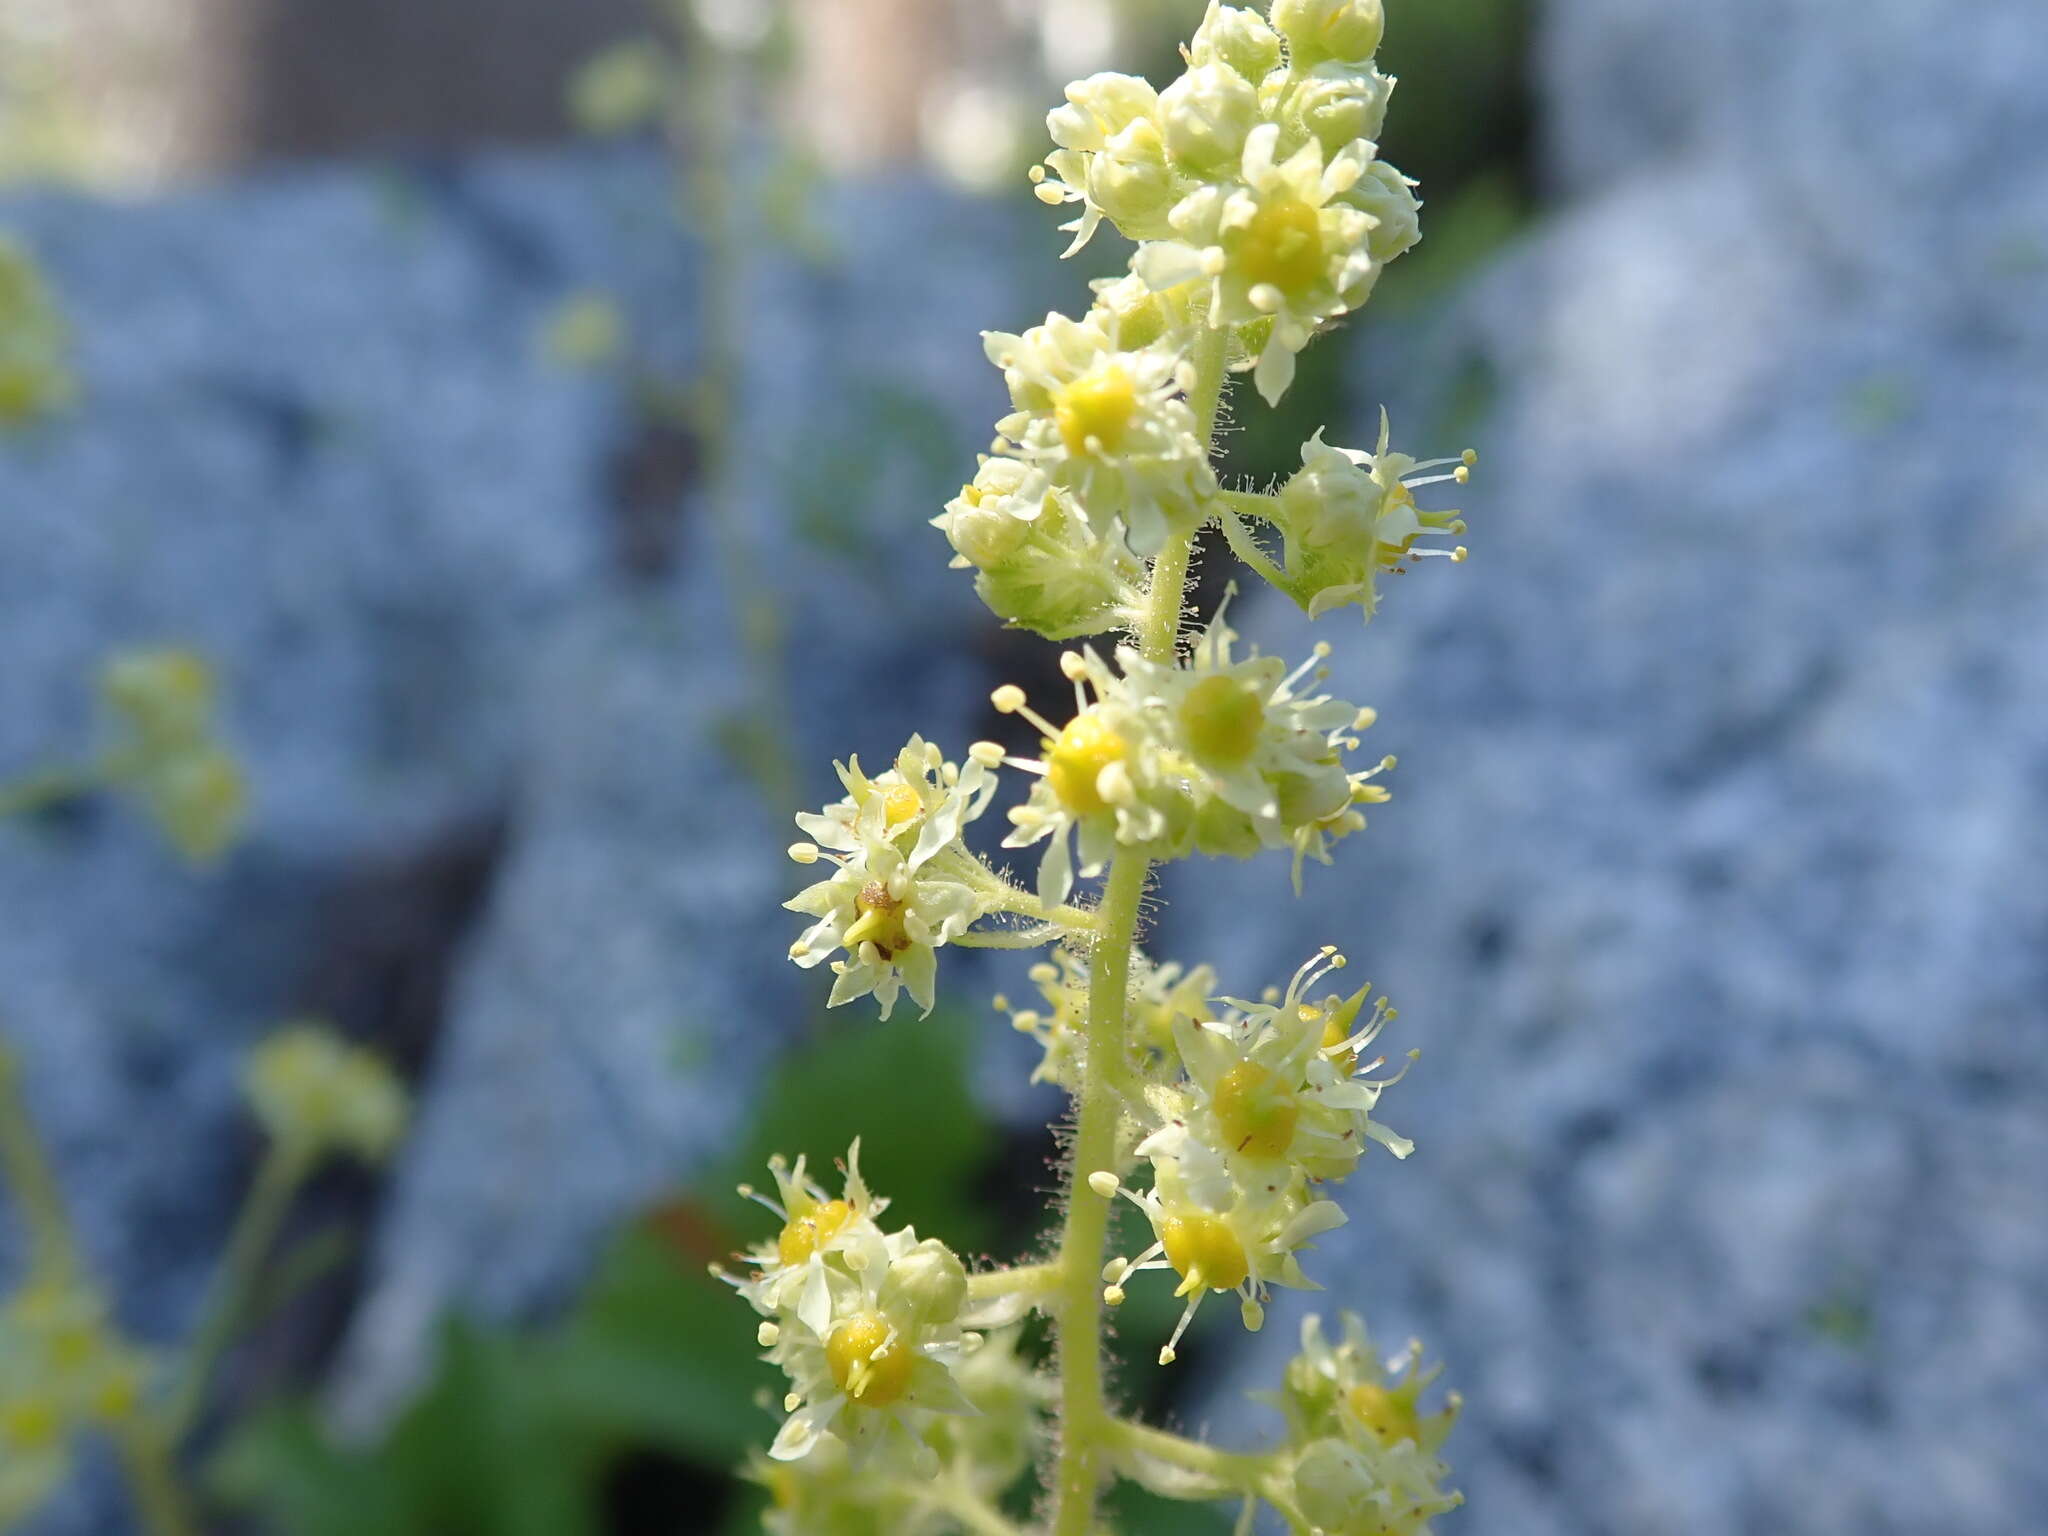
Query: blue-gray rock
[[321, 442], [1712, 885]]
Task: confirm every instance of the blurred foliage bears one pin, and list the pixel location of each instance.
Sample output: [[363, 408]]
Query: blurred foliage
[[515, 1433]]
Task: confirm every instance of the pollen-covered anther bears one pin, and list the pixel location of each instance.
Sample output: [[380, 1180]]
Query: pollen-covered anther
[[1104, 1183]]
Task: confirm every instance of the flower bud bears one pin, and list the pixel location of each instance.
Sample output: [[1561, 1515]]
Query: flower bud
[[1334, 1485], [1329, 29], [1208, 112], [1329, 500], [1336, 103], [989, 520], [928, 1284], [1130, 181], [1098, 109], [1240, 38], [1389, 197], [315, 1092]]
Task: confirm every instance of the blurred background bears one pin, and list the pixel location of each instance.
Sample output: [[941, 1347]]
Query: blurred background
[[532, 412]]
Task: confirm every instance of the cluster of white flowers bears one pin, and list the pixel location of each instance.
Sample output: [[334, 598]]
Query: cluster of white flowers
[[1275, 1102], [1215, 755], [1361, 1454], [316, 1094], [1262, 213], [872, 1328], [1254, 176], [903, 883], [63, 1370], [168, 751]]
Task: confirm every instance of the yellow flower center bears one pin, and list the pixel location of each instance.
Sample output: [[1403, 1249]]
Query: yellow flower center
[[1205, 1251], [1389, 1414], [1223, 718], [1075, 764], [900, 804], [880, 922], [1256, 1110], [1094, 412], [1335, 1033], [807, 1233], [865, 1371], [1283, 245]]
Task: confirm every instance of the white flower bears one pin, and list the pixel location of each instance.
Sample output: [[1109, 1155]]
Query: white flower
[[62, 1369], [1348, 515], [1112, 425], [1103, 779], [1366, 1455], [1279, 244], [1280, 1085], [1039, 562], [904, 882], [1261, 755], [1220, 1236], [1111, 158], [882, 1364], [794, 1272]]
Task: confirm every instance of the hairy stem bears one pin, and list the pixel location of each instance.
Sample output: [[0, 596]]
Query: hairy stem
[[1019, 1277], [1084, 1413]]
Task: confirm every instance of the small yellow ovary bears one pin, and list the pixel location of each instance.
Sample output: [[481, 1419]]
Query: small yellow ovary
[[1075, 763], [1256, 1110], [1336, 1030], [1390, 1414], [1223, 718], [1283, 245], [1204, 1251], [880, 922], [809, 1232], [865, 1371], [900, 804], [1094, 412]]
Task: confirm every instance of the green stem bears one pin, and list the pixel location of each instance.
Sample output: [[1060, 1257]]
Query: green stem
[[1244, 1472], [992, 1283], [1077, 1310], [974, 1513], [284, 1169], [26, 1169], [1246, 548], [41, 790], [153, 1481], [145, 1446]]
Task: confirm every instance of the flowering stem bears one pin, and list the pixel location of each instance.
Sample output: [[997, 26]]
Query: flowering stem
[[27, 1172], [277, 1180], [1084, 1414], [153, 1480]]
